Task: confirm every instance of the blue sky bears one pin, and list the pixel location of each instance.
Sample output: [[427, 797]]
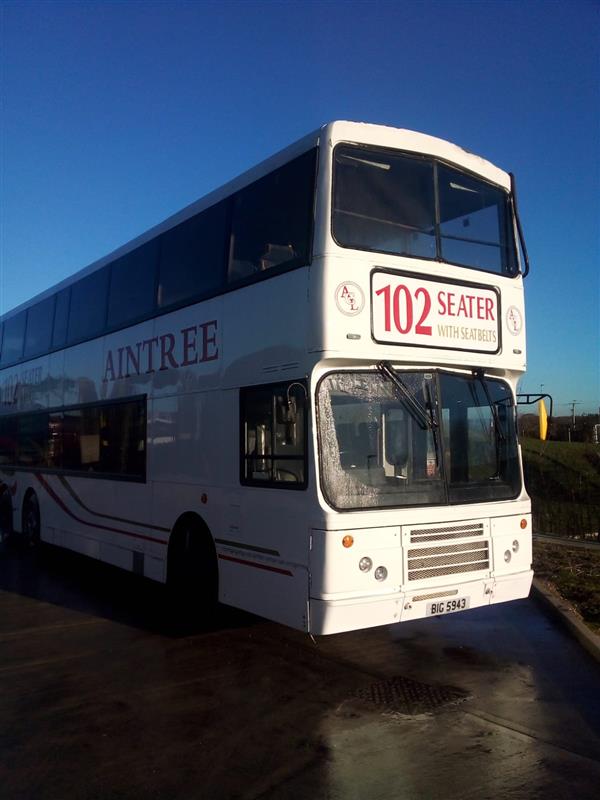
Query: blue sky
[[117, 114]]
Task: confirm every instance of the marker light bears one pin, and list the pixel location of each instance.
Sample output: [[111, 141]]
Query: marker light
[[515, 546], [507, 556], [380, 574], [523, 524], [348, 540], [365, 564]]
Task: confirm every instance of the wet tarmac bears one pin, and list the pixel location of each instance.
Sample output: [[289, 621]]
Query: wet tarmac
[[103, 695]]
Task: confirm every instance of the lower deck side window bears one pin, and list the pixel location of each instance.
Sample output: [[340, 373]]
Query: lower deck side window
[[104, 438], [273, 435]]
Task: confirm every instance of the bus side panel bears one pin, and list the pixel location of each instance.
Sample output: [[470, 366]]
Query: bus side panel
[[103, 519], [265, 587], [265, 330]]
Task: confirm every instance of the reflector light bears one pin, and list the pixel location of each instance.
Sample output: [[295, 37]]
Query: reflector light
[[523, 524], [348, 540]]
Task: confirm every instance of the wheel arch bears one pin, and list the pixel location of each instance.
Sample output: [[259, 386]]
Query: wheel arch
[[186, 522], [29, 493], [7, 512]]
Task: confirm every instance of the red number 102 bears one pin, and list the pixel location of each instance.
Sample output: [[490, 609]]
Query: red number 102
[[400, 306]]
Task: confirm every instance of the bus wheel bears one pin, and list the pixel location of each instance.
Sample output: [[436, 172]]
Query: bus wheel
[[192, 572], [6, 517], [30, 527]]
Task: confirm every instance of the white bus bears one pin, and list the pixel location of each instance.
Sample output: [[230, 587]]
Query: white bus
[[296, 395]]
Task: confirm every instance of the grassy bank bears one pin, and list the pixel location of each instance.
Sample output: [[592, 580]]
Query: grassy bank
[[575, 575], [563, 481]]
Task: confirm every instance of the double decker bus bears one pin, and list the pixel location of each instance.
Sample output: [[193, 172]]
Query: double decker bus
[[297, 395]]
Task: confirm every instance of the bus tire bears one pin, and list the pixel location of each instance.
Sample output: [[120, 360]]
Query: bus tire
[[30, 521], [192, 571], [6, 517]]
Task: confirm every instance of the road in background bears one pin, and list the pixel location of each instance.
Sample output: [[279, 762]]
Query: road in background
[[103, 696]]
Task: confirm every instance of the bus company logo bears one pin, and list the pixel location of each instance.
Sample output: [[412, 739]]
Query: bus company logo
[[349, 298], [195, 344], [514, 320]]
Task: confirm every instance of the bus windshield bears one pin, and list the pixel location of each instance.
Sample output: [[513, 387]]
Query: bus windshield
[[375, 453], [414, 206]]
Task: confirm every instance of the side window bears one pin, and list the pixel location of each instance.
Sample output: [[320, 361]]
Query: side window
[[87, 314], [12, 340], [132, 285], [33, 440], [61, 318], [123, 439], [39, 328], [192, 257], [8, 440], [109, 439], [272, 220], [273, 436]]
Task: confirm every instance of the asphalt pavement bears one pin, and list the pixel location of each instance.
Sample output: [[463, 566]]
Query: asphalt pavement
[[103, 694]]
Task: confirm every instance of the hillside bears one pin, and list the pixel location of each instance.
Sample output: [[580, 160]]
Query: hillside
[[563, 480]]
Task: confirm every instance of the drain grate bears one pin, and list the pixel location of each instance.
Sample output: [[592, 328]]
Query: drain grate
[[409, 696]]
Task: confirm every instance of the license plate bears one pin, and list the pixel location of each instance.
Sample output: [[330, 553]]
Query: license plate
[[447, 606]]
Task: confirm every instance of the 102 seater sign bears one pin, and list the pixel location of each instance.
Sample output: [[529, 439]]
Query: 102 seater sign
[[417, 311]]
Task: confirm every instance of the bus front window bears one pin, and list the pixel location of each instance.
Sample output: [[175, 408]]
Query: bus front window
[[375, 452], [408, 205]]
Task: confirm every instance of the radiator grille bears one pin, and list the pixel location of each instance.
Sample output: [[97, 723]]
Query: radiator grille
[[430, 562], [447, 532]]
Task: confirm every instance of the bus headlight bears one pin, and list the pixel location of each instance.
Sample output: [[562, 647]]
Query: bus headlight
[[365, 564], [515, 547], [380, 574], [507, 556]]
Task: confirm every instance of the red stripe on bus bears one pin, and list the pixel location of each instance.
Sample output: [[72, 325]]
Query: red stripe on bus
[[257, 565], [62, 505], [80, 502]]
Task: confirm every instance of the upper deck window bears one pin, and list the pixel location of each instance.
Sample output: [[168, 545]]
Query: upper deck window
[[132, 285], [12, 341], [192, 258], [87, 312], [272, 221], [386, 202], [61, 317], [39, 327]]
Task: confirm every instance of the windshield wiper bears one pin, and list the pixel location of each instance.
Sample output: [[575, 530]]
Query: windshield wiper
[[425, 420]]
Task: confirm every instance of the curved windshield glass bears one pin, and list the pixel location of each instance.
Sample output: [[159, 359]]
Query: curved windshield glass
[[456, 443], [386, 201]]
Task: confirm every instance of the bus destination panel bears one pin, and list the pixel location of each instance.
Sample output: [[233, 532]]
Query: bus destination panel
[[412, 310]]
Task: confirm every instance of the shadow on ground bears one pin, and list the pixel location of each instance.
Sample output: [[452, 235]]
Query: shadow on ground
[[63, 578]]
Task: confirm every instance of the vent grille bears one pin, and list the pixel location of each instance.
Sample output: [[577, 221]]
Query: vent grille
[[431, 562], [447, 532], [434, 595]]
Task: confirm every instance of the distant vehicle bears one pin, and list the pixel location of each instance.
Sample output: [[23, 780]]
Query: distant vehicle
[[296, 395]]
